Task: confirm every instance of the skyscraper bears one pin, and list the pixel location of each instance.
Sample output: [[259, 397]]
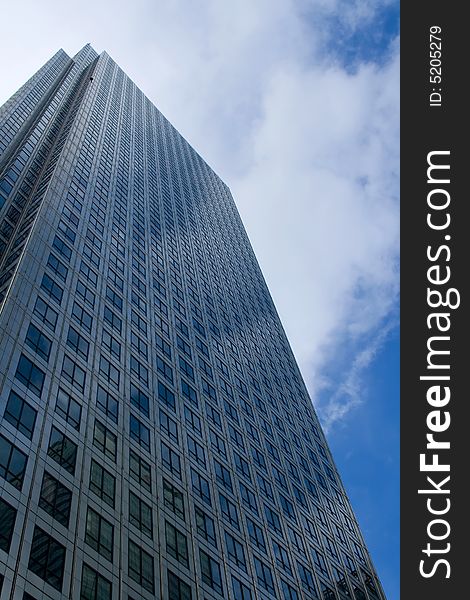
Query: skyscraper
[[156, 437]]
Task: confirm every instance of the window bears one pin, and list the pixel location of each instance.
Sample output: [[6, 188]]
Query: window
[[12, 463], [47, 558], [74, 374], [57, 267], [68, 409], [242, 466], [321, 480], [81, 317], [139, 432], [62, 450], [62, 248], [201, 487], [330, 547], [287, 507], [140, 514], [205, 526], [171, 460], [183, 346], [296, 540], [213, 415], [300, 496], [209, 390], [265, 487], [196, 451], [282, 558], [107, 404], [248, 498], [186, 368], [78, 343], [139, 345], [311, 488], [217, 443], [139, 370], [114, 298], [112, 320], [202, 347], [227, 388], [52, 289], [182, 327], [139, 323], [67, 231], [46, 314], [240, 590], [140, 470], [222, 475], [99, 534], [163, 346], [236, 437], [264, 575], [141, 567], [55, 499], [168, 426], [20, 414], [109, 372], [348, 561], [105, 440], [164, 369], [306, 578], [7, 525], [192, 420], [210, 571], [102, 483], [273, 451], [321, 516], [73, 219], [231, 411], [177, 589], [258, 458], [166, 396], [205, 367], [272, 518], [176, 544], [111, 344], [229, 511], [189, 393], [252, 431], [256, 534], [223, 368], [173, 499], [293, 471], [140, 400], [368, 580], [235, 551], [40, 343], [94, 586], [358, 552], [30, 375], [288, 591], [95, 260]]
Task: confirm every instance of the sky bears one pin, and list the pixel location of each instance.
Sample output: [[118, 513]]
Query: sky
[[295, 104]]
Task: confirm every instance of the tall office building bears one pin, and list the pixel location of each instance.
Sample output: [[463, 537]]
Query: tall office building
[[156, 437]]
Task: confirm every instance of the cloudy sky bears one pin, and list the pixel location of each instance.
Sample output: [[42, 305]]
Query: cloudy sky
[[295, 104]]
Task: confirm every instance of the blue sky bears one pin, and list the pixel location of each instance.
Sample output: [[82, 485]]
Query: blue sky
[[295, 104], [366, 450]]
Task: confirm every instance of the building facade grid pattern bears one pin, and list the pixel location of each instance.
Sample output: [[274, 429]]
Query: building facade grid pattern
[[157, 439]]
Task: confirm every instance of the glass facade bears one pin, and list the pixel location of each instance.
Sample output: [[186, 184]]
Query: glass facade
[[156, 437]]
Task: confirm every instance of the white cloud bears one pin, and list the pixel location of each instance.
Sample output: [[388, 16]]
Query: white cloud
[[348, 394], [309, 148]]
